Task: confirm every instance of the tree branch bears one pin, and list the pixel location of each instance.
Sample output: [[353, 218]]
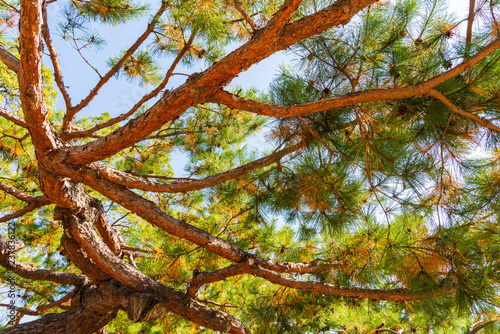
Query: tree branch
[[470, 22], [236, 102], [28, 272], [70, 113], [239, 7], [28, 208], [30, 78], [130, 181], [251, 266], [10, 60], [439, 96], [19, 194], [476, 327], [80, 227], [34, 201], [42, 308], [150, 212], [55, 61], [109, 235], [13, 118]]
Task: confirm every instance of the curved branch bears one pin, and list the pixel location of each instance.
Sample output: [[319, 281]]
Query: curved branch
[[28, 208], [476, 327], [251, 266], [30, 79], [233, 101], [80, 227], [484, 122], [396, 295], [19, 194], [130, 181], [70, 114], [150, 212], [34, 201]]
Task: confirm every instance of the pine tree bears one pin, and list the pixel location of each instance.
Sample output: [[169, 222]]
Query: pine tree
[[372, 209]]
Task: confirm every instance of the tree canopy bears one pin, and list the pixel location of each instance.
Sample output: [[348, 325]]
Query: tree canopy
[[372, 208]]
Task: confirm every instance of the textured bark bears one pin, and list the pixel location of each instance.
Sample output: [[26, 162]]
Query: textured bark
[[80, 226], [30, 78]]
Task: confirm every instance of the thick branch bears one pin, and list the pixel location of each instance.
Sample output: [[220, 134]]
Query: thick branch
[[130, 181], [70, 114], [13, 118], [109, 235], [274, 37], [30, 77], [97, 306], [81, 228], [396, 295], [233, 101]]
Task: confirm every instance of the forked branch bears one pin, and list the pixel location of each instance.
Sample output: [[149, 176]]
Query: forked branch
[[151, 213], [140, 103]]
